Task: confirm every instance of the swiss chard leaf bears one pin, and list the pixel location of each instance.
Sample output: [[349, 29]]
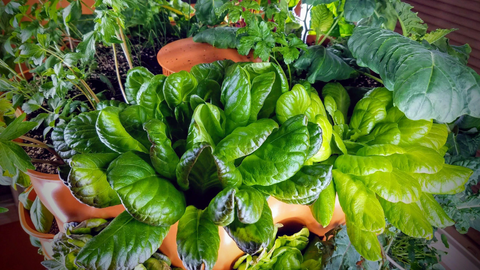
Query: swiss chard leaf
[[124, 244], [434, 212], [197, 239], [131, 172]]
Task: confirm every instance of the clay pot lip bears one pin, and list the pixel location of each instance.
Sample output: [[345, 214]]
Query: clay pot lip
[[25, 220], [43, 176]]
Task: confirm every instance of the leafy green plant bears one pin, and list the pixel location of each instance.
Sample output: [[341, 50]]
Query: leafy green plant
[[175, 148]]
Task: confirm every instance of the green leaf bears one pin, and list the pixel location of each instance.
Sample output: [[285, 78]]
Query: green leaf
[[222, 208], [436, 35], [262, 86], [434, 212], [355, 10], [367, 112], [42, 219], [88, 180], [136, 77], [208, 71], [163, 157], [178, 87], [280, 156], [205, 11], [150, 95], [251, 238], [322, 209], [219, 37], [426, 84], [395, 186], [302, 188], [17, 128], [3, 210], [236, 98], [112, 133], [207, 126], [249, 203], [196, 169], [322, 65], [288, 258], [124, 244], [361, 165], [417, 159], [142, 191], [13, 157], [245, 140], [81, 135], [322, 19], [435, 138], [298, 101], [409, 218], [360, 204], [410, 20], [365, 243], [197, 239], [339, 94], [132, 119], [449, 180], [23, 198]]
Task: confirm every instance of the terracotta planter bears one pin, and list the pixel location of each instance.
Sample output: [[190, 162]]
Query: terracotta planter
[[62, 204], [46, 239], [183, 54], [288, 214]]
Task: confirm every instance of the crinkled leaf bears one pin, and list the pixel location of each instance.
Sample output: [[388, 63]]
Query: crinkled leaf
[[81, 135]]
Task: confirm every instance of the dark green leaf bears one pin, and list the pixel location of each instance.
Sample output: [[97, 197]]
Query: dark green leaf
[[222, 208], [136, 77], [355, 10], [81, 135], [219, 37], [249, 203]]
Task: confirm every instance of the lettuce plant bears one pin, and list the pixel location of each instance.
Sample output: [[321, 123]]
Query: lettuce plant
[[200, 148]]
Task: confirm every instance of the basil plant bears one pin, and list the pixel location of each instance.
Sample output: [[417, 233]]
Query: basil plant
[[203, 149]]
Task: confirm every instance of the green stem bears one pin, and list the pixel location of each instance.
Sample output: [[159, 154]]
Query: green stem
[[331, 29], [404, 29], [290, 77], [370, 76]]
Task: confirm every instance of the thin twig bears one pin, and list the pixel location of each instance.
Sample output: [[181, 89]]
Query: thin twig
[[39, 144], [371, 76], [118, 73], [394, 263], [124, 45]]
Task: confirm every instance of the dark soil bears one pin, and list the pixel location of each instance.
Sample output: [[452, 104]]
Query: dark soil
[[41, 153], [362, 81], [54, 229], [141, 56]]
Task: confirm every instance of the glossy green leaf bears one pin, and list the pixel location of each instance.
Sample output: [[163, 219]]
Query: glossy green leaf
[[112, 133], [262, 86], [449, 180], [380, 150], [302, 188], [17, 128], [322, 65], [409, 218], [208, 71], [339, 94], [395, 186], [197, 170], [367, 112], [124, 244], [365, 243], [177, 88], [222, 208], [136, 77], [206, 11], [385, 133], [418, 159], [288, 258], [280, 156], [327, 132], [132, 119], [197, 239], [426, 84], [245, 140], [355, 10], [316, 139], [249, 203], [236, 98], [81, 135], [207, 126], [292, 103], [88, 180], [322, 209], [163, 157], [362, 165], [436, 137], [360, 204], [251, 238], [41, 218], [150, 95], [142, 191], [434, 212]]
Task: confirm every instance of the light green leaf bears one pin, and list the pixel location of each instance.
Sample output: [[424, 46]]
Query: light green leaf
[[339, 94], [449, 180], [136, 77], [17, 128], [361, 165], [322, 19], [360, 204], [409, 218], [322, 209], [365, 243], [418, 159], [207, 126], [42, 219], [433, 211]]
